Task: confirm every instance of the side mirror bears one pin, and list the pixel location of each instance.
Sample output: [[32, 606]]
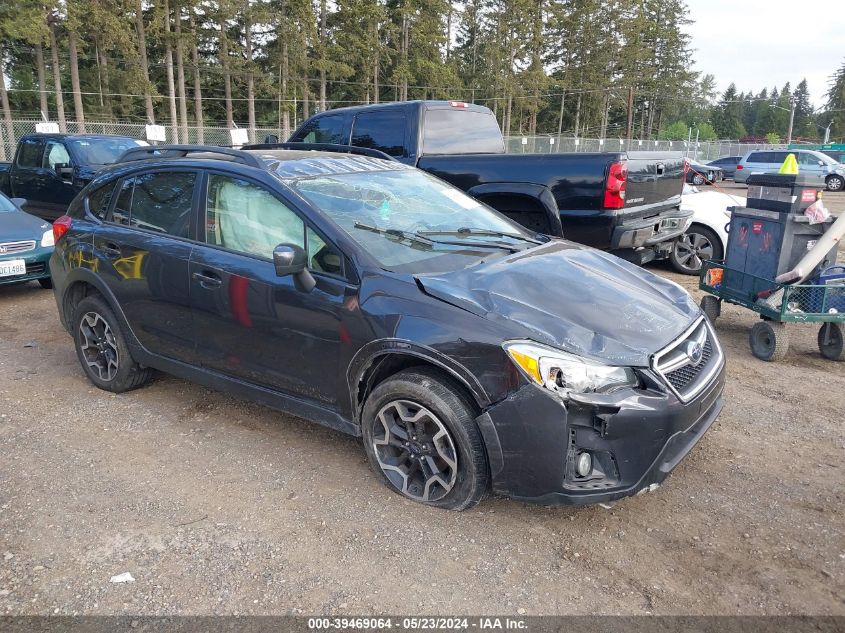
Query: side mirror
[[64, 171], [19, 202], [821, 163], [290, 259]]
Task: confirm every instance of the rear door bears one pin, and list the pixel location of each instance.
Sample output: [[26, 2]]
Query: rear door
[[27, 175], [251, 324], [144, 248]]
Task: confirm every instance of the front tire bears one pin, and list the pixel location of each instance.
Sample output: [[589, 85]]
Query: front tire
[[835, 182], [690, 250], [421, 440], [769, 340], [102, 350]]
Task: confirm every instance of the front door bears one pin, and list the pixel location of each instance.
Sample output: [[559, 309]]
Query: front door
[[250, 323], [57, 191], [143, 253]]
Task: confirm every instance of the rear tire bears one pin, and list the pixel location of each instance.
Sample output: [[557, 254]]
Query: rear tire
[[102, 350], [712, 307], [422, 442], [769, 340], [835, 182], [831, 343], [698, 180]]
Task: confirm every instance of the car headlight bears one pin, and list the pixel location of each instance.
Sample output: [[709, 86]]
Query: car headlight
[[566, 373], [47, 238]]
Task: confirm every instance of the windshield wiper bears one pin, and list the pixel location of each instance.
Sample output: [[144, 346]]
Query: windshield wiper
[[465, 230], [421, 238], [395, 233]]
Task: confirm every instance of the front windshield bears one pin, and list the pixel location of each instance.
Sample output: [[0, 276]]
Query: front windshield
[[6, 205], [404, 219], [101, 151]]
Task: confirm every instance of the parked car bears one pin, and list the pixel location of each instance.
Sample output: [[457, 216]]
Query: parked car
[[700, 174], [469, 352], [624, 202], [26, 244], [707, 236], [50, 169], [727, 164], [809, 162]]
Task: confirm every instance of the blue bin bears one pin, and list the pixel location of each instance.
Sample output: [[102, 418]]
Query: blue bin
[[832, 295]]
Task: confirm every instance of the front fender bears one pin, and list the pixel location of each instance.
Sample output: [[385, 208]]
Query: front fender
[[373, 351]]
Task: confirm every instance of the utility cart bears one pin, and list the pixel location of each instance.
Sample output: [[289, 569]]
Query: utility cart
[[779, 304]]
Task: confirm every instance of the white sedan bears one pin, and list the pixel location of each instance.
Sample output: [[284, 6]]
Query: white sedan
[[707, 236]]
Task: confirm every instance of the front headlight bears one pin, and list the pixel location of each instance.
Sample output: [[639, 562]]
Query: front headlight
[[566, 373], [47, 238]]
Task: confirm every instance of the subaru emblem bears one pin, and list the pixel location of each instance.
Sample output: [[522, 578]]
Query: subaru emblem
[[694, 352]]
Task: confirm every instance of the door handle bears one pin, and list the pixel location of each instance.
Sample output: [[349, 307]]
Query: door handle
[[208, 280], [111, 250]]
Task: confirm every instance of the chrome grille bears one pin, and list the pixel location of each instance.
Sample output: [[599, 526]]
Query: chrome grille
[[6, 248], [688, 363]]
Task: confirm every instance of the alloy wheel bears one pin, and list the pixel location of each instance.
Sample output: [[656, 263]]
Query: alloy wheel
[[99, 349], [835, 183], [691, 250], [415, 450]]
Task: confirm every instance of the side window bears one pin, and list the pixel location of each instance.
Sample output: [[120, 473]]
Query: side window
[[777, 157], [163, 201], [246, 218], [324, 129], [124, 202], [322, 256], [384, 131], [30, 152], [55, 153], [99, 199]]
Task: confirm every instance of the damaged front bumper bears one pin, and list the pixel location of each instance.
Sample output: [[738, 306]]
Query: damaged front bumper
[[635, 439]]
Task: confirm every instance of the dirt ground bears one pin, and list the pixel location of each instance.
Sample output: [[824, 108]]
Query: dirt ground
[[219, 506]]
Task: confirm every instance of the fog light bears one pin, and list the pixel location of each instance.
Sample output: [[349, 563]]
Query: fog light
[[583, 464]]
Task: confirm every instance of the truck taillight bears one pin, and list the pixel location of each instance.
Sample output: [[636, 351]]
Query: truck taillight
[[614, 190], [60, 227]]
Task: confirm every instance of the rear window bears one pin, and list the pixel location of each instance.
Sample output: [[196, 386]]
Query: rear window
[[458, 131], [324, 129], [384, 131]]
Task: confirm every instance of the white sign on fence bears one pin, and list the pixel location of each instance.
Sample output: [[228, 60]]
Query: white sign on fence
[[47, 128], [155, 133], [240, 136], [524, 141]]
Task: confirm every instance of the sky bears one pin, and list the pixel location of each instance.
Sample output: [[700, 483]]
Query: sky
[[758, 44]]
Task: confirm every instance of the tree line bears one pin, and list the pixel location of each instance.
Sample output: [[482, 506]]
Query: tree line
[[578, 67]]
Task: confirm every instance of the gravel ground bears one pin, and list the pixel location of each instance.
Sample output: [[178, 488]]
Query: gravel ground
[[219, 506]]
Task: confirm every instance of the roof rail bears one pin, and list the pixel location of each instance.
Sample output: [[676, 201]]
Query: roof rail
[[324, 147], [180, 151]]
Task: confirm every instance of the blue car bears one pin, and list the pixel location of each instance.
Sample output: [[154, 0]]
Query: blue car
[[26, 243]]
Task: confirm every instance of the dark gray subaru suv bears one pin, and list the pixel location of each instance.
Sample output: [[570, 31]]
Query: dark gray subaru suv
[[470, 354]]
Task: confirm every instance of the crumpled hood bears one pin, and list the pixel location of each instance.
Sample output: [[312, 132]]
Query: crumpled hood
[[574, 298], [17, 225]]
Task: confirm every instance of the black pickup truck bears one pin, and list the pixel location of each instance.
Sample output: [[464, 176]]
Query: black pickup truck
[[50, 169], [625, 202]]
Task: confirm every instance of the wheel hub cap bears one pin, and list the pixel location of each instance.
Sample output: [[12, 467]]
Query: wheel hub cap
[[415, 451], [98, 346], [692, 249]]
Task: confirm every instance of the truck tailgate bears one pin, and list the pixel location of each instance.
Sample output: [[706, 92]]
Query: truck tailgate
[[653, 178]]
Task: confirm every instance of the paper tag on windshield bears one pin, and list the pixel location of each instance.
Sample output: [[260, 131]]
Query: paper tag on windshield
[[461, 199]]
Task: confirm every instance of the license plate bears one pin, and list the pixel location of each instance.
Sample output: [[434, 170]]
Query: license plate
[[12, 267]]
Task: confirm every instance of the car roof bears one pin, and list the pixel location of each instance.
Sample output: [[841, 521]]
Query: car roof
[[429, 104], [286, 164], [78, 136]]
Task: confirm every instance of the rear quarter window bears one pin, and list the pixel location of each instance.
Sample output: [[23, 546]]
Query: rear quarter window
[[99, 199]]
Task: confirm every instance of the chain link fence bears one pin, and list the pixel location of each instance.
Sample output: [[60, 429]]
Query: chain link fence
[[702, 151], [548, 144]]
